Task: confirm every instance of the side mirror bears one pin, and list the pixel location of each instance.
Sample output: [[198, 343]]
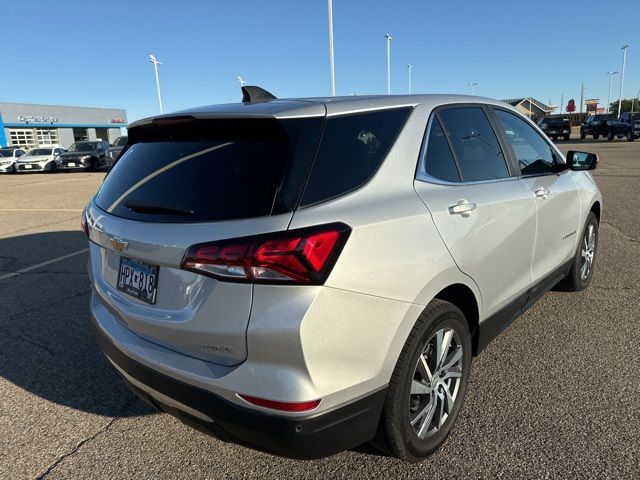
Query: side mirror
[[579, 161]]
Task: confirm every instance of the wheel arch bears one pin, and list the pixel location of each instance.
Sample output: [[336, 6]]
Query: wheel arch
[[596, 209], [463, 297]]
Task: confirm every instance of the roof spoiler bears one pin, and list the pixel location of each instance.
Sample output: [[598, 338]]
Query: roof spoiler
[[253, 94]]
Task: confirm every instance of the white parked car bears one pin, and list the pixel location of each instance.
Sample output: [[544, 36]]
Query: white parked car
[[8, 157], [44, 159]]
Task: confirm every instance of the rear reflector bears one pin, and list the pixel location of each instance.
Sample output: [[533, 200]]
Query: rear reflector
[[305, 256], [281, 406]]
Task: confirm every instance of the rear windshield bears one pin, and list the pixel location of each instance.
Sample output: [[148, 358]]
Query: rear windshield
[[553, 121], [120, 142], [82, 147], [210, 170]]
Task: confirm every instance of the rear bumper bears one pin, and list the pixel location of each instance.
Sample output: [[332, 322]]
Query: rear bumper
[[304, 437]]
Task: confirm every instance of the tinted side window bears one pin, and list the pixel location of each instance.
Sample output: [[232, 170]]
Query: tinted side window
[[474, 144], [534, 155], [438, 161], [351, 151]]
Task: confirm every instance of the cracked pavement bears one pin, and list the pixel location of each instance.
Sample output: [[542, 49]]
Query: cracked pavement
[[555, 396]]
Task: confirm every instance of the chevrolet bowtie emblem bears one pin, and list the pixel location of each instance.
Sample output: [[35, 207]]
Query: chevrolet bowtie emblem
[[118, 244]]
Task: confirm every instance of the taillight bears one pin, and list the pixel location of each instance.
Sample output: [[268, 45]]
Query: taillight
[[83, 223], [282, 406], [304, 256]]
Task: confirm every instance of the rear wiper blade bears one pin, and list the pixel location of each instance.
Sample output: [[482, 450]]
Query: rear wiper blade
[[157, 209]]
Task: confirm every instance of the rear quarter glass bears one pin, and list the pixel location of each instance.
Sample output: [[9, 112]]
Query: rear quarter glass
[[351, 150], [211, 170]]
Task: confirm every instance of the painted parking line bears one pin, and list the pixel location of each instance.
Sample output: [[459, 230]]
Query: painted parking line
[[43, 264], [40, 210]]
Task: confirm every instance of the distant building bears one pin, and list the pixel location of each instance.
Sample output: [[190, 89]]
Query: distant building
[[29, 126], [530, 106]]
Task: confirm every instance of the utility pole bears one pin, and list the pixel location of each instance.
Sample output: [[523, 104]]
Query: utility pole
[[624, 61], [410, 67], [561, 103], [581, 95], [389, 38], [332, 78], [154, 60]]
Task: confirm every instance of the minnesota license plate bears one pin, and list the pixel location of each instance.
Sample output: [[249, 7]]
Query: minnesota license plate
[[138, 279]]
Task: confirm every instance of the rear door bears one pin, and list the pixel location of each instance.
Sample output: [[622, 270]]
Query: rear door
[[484, 214], [555, 194], [184, 183]]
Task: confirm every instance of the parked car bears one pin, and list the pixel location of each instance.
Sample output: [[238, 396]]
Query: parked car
[[44, 159], [632, 118], [304, 276], [620, 129], [555, 127], [8, 157], [89, 155], [117, 147], [595, 125]]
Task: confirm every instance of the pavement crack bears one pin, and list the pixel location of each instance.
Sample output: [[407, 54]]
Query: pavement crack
[[627, 237], [79, 445]]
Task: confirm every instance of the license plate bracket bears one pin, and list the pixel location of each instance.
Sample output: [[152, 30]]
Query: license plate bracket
[[138, 279]]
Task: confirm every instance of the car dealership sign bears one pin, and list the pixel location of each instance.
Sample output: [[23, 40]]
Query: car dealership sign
[[36, 119]]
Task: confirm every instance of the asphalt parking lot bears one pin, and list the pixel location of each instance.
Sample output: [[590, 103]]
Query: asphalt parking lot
[[556, 396]]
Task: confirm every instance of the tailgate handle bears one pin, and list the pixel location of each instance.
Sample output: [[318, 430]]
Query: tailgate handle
[[463, 208]]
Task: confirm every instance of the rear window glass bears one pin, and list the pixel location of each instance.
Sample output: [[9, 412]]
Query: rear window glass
[[474, 143], [214, 170], [439, 162], [351, 150]]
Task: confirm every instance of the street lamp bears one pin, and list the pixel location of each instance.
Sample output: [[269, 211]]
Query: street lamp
[[410, 67], [154, 60], [241, 80], [611, 74], [332, 78], [389, 38], [624, 62], [473, 87]]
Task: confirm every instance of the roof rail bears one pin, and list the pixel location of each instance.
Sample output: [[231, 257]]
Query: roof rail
[[253, 94]]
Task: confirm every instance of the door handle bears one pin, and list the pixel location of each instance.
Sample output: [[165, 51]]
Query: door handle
[[463, 208], [541, 192]]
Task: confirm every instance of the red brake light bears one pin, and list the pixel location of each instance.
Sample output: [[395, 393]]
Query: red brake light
[[304, 256], [282, 406]]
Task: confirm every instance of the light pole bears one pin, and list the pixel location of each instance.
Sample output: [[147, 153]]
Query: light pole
[[410, 67], [611, 74], [389, 38], [154, 60], [561, 103], [624, 62], [332, 79], [241, 80], [473, 87]]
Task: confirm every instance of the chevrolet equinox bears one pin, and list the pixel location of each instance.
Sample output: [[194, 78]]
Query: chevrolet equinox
[[302, 276]]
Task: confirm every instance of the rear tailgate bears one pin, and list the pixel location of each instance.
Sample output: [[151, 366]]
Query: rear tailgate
[[182, 182]]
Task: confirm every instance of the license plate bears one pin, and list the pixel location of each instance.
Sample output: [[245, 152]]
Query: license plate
[[138, 279], [28, 166], [552, 131], [71, 164]]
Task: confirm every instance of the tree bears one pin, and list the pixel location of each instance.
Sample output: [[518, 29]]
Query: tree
[[627, 104]]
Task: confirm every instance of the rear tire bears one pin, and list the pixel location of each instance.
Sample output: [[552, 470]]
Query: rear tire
[[419, 413], [596, 136], [630, 137], [566, 138], [584, 260], [582, 136]]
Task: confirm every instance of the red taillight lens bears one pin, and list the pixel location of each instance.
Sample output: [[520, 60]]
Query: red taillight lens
[[304, 256], [83, 224], [282, 406]]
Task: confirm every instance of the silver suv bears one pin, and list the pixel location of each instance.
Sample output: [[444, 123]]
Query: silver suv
[[303, 276]]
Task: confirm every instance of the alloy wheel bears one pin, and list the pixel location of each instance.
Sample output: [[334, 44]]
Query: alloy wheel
[[435, 384], [588, 252]]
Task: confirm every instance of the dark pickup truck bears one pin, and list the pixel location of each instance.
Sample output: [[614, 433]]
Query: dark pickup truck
[[555, 127], [595, 125], [633, 119]]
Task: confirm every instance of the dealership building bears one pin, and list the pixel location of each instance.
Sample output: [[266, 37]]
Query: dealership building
[[30, 126]]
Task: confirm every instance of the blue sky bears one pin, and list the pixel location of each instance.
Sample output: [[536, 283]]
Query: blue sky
[[96, 53]]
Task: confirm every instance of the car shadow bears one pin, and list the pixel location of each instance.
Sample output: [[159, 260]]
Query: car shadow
[[46, 342]]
